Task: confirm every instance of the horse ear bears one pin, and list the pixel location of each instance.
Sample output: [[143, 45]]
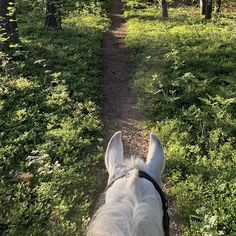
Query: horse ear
[[156, 158], [114, 153]]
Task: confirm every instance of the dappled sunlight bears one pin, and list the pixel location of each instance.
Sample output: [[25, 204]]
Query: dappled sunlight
[[184, 69], [64, 92], [50, 126]]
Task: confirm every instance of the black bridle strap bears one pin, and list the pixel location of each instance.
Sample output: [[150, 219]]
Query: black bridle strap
[[166, 219]]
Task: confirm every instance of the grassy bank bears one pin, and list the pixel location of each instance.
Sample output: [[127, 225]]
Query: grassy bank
[[184, 71], [50, 127]]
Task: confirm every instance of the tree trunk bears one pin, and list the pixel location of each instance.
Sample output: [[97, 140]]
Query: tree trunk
[[164, 11], [8, 25], [218, 6], [208, 9], [53, 14], [203, 7]]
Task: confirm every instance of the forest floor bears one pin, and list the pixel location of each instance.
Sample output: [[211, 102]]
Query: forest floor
[[120, 106]]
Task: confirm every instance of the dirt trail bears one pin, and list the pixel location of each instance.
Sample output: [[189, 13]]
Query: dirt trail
[[120, 110], [120, 105]]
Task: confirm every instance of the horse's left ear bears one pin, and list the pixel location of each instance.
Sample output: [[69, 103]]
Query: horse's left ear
[[114, 153], [156, 158]]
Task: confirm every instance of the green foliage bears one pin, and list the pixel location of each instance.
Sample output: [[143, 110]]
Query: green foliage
[[184, 70], [225, 3], [50, 128]]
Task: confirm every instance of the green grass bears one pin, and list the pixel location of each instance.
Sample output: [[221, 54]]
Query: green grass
[[184, 72], [50, 126]]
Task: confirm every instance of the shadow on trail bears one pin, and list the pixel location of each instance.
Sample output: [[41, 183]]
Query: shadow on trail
[[119, 108]]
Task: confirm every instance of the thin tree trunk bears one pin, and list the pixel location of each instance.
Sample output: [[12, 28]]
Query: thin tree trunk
[[203, 7], [218, 6], [164, 11], [53, 14], [208, 10], [8, 25]]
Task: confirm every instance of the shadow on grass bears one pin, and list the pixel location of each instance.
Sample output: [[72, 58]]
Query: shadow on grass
[[49, 106], [69, 53]]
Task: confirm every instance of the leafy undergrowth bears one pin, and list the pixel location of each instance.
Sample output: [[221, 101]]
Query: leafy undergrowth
[[50, 128], [184, 70]]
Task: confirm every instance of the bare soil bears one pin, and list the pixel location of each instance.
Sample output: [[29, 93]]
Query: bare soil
[[120, 105], [120, 110]]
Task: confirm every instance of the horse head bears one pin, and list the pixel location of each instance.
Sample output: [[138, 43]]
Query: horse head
[[134, 202]]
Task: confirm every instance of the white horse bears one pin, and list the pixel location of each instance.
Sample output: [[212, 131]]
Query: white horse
[[134, 203]]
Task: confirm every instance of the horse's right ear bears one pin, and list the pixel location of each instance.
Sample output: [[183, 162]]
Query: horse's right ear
[[114, 153], [156, 158]]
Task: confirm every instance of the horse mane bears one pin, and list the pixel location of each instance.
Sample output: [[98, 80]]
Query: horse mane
[[129, 216]]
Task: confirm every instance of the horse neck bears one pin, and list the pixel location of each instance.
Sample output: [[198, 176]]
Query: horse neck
[[133, 211]]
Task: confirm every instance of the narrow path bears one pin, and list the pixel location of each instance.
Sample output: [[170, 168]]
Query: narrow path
[[120, 106], [120, 110]]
